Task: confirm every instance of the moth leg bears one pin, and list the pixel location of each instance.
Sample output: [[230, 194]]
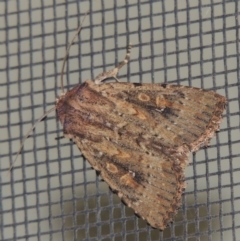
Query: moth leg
[[113, 72]]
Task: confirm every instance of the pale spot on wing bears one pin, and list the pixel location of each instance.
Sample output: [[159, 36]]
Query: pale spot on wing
[[127, 180], [122, 154], [112, 168], [140, 115], [162, 102], [143, 97]]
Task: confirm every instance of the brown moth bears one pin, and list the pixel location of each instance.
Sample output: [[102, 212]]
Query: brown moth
[[139, 136]]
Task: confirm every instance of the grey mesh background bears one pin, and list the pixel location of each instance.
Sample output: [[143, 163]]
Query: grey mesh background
[[52, 193]]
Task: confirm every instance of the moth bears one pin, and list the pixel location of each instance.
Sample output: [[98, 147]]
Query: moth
[[139, 136]]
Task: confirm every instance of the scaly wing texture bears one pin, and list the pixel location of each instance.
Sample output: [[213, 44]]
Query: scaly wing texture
[[178, 114], [139, 138], [151, 184]]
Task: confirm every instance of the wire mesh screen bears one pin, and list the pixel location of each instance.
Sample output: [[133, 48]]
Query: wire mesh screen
[[52, 193]]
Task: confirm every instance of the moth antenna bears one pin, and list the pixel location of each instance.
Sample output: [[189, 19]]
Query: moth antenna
[[28, 133], [68, 49], [62, 88], [114, 72], [127, 57]]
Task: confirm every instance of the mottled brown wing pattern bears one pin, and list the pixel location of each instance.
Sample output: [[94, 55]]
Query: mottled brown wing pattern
[[170, 110], [135, 135], [141, 180]]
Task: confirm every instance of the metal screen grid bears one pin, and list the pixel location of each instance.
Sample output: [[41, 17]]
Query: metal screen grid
[[52, 193]]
